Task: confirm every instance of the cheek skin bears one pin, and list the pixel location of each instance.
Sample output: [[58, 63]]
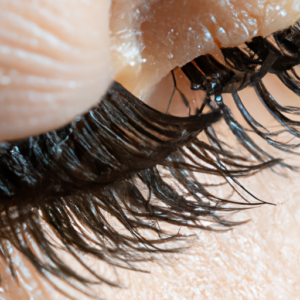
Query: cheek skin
[[54, 62]]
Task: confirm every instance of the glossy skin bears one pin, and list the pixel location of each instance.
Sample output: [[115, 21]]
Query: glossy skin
[[259, 260], [171, 33]]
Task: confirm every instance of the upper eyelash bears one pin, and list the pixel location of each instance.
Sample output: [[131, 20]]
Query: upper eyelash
[[58, 175]]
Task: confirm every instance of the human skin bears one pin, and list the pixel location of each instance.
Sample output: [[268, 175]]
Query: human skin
[[57, 58], [259, 260], [54, 62]]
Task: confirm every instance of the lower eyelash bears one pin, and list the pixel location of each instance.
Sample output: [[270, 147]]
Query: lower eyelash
[[125, 158]]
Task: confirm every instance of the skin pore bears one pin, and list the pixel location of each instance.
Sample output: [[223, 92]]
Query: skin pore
[[256, 261]]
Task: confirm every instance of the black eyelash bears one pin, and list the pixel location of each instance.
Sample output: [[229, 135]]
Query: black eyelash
[[246, 66], [138, 165]]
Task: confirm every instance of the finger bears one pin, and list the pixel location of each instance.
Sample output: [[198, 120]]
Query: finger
[[54, 62]]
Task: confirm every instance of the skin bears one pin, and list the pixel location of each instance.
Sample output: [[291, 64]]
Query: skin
[[55, 63], [259, 260], [158, 36]]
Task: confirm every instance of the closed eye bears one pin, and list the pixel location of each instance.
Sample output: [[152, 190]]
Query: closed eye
[[104, 162]]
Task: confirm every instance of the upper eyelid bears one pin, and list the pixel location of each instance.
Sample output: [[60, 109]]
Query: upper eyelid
[[16, 150]]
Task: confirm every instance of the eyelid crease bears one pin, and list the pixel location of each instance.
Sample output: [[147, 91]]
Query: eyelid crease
[[139, 166]]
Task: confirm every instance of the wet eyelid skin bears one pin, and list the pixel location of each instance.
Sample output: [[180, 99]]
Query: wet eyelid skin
[[55, 62], [168, 34]]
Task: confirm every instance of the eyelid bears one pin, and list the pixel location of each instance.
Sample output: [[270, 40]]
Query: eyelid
[[121, 117], [56, 210]]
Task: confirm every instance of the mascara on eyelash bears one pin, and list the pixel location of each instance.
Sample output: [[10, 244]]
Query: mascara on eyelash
[[246, 66], [105, 160]]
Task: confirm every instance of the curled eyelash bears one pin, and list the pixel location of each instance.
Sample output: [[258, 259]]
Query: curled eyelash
[[101, 163], [246, 66], [127, 162]]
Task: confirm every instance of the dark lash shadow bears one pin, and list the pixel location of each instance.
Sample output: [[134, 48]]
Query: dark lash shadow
[[139, 166]]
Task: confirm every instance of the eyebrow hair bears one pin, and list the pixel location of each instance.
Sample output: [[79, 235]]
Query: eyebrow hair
[[113, 159]]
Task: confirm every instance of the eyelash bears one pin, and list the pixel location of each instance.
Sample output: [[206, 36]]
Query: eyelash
[[122, 158]]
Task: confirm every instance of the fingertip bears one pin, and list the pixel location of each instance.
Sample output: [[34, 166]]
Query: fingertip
[[55, 63]]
